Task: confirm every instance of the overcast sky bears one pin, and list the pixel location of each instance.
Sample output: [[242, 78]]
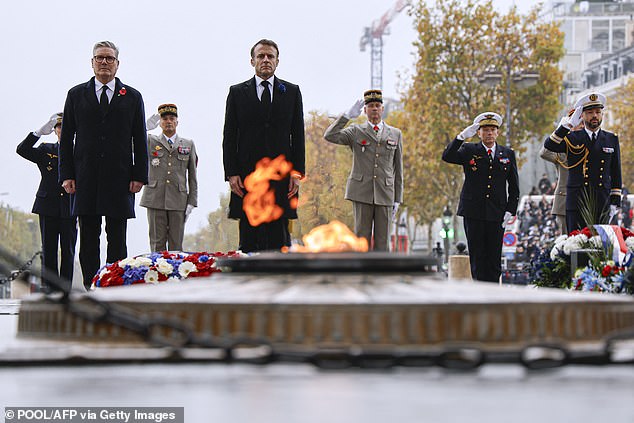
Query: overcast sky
[[189, 53]]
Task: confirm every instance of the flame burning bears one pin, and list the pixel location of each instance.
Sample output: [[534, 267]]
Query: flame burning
[[334, 237], [259, 202]]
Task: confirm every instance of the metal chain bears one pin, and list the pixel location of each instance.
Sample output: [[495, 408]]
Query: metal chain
[[17, 273]]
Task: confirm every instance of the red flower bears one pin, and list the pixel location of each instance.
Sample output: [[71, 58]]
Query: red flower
[[154, 153], [364, 142], [122, 91], [472, 162], [606, 271]]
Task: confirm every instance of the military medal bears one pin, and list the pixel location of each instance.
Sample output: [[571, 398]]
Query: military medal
[[183, 150], [155, 161]]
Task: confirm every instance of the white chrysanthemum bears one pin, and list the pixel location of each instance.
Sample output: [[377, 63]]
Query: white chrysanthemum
[[186, 268], [126, 262], [163, 266], [629, 243], [151, 276], [143, 261], [596, 242], [575, 243]]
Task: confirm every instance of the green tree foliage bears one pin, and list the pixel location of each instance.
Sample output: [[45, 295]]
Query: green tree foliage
[[621, 109], [221, 233], [457, 42], [19, 232]]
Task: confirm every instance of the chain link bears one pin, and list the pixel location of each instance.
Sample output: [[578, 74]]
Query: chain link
[[17, 273]]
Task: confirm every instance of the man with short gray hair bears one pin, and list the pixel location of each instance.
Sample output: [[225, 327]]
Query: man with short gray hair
[[103, 157]]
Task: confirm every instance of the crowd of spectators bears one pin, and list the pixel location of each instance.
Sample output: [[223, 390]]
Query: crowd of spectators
[[537, 229]]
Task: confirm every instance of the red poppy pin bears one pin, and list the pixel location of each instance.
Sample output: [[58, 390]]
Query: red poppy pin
[[363, 144], [154, 153], [122, 91]]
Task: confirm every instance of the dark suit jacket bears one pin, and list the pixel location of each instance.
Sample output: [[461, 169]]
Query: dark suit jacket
[[103, 153], [602, 165], [249, 136], [51, 199], [484, 194]]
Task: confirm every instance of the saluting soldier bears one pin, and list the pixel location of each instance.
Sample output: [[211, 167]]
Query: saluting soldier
[[490, 192], [172, 191], [58, 228], [375, 184], [593, 160]]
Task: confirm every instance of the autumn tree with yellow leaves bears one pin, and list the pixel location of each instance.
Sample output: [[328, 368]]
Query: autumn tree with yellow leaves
[[457, 42], [621, 109]]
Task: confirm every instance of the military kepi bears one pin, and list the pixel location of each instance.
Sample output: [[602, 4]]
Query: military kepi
[[372, 95], [488, 119], [591, 101], [168, 109]]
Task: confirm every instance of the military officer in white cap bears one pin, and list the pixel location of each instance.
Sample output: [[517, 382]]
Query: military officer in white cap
[[593, 160], [490, 192], [172, 191], [375, 184]]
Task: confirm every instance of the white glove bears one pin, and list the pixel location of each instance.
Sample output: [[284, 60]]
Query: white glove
[[507, 216], [152, 122], [48, 127], [614, 210], [188, 210], [355, 110], [469, 131], [395, 210], [575, 119]]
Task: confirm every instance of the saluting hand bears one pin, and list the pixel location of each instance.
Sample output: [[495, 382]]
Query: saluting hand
[[355, 110], [152, 122], [469, 131]]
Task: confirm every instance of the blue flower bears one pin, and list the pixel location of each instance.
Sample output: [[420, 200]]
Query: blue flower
[[281, 88]]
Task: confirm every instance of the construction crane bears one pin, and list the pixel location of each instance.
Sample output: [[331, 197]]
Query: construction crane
[[374, 36]]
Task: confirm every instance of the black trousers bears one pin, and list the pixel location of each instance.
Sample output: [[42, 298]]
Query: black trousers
[[265, 237], [62, 232], [89, 254], [484, 239]]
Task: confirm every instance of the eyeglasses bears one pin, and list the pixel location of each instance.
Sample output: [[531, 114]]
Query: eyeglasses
[[108, 59]]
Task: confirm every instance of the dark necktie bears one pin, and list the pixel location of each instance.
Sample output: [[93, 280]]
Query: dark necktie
[[594, 137], [103, 100], [266, 96]]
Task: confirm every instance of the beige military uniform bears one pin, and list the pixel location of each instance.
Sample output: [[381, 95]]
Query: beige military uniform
[[376, 177], [559, 201], [172, 185]]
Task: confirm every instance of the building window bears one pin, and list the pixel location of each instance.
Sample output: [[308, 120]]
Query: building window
[[600, 36]]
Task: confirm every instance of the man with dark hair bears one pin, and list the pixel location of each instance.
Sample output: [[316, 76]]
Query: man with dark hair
[[593, 159], [52, 204], [264, 119], [103, 157]]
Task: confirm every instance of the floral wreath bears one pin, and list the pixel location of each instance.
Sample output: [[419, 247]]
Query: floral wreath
[[158, 267]]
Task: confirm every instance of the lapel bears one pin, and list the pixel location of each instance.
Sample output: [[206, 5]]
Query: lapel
[[116, 97], [91, 95], [368, 129], [163, 142], [249, 90]]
